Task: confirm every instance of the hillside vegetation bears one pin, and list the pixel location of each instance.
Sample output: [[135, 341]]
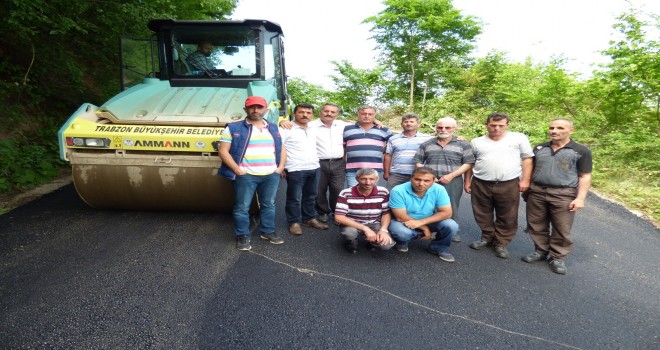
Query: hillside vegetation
[[58, 54]]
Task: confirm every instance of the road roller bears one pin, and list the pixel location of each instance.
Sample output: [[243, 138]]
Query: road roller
[[154, 146]]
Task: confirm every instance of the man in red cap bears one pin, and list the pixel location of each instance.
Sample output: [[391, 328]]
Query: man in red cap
[[253, 157]]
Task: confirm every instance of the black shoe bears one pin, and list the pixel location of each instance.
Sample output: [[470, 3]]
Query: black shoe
[[401, 247], [273, 238], [501, 252], [243, 243], [478, 244], [323, 218], [351, 246], [535, 256]]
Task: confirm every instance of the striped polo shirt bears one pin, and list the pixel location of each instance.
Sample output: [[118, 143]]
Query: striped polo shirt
[[403, 148], [444, 160], [364, 148], [259, 156], [363, 209]]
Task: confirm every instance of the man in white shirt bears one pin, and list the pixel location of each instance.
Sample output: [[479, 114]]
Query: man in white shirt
[[330, 151], [302, 171], [502, 170]]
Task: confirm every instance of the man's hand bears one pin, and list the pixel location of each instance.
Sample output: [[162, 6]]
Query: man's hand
[[427, 233], [445, 179], [371, 236], [523, 185], [412, 224], [576, 205], [383, 238], [285, 124]]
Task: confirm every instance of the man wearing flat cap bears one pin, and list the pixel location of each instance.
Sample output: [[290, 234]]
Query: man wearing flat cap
[[253, 157]]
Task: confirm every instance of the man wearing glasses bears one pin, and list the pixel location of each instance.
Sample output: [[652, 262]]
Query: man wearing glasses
[[450, 158]]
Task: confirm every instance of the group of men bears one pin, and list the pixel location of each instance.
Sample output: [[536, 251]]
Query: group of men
[[426, 176]]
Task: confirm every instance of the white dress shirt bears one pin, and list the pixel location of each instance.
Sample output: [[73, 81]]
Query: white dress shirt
[[330, 139]]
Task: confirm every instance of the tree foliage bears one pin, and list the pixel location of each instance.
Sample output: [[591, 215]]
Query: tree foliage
[[419, 41], [56, 54]]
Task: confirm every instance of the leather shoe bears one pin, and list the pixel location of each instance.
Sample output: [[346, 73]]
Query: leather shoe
[[295, 229], [315, 224], [478, 244], [323, 218], [501, 252], [558, 266], [535, 256]]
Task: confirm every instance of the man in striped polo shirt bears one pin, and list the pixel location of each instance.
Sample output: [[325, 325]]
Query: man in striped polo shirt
[[398, 162], [364, 210], [450, 157], [364, 143]]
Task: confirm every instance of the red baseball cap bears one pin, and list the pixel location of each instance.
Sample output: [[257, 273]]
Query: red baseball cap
[[255, 100]]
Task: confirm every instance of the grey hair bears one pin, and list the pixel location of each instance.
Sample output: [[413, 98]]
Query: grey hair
[[365, 171], [448, 119], [570, 122]]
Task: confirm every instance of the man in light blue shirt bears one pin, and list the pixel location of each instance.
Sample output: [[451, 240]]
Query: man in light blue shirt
[[398, 163], [419, 208]]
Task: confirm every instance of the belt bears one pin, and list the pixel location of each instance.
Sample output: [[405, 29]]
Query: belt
[[331, 159], [496, 182]]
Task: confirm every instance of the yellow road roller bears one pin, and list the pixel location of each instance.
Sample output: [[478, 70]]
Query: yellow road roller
[[154, 145]]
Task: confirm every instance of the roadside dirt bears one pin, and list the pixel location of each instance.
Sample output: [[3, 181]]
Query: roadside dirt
[[10, 201]]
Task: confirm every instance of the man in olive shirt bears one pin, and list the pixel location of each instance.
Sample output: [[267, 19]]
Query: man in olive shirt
[[560, 183]]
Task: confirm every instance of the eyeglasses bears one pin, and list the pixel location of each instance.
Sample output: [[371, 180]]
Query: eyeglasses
[[444, 127]]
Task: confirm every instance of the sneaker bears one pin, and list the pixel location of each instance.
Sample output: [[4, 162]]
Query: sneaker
[[501, 252], [558, 266], [444, 256], [456, 238], [401, 247], [535, 256], [351, 246], [323, 218], [315, 224], [478, 244], [243, 243], [295, 229], [272, 237]]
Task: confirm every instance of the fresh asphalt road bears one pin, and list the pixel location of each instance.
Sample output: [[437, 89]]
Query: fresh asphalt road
[[72, 277]]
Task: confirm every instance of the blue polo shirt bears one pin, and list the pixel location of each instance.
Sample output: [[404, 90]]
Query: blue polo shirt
[[403, 197]]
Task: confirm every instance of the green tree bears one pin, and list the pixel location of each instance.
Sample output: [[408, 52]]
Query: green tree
[[356, 87], [304, 92], [630, 83], [419, 39]]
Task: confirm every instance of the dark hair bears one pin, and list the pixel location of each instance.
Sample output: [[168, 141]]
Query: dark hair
[[409, 116], [424, 170], [497, 117], [303, 105], [333, 105]]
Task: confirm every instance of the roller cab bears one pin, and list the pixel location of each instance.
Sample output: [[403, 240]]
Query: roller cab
[[154, 145]]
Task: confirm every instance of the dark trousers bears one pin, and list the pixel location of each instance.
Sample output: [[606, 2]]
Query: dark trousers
[[331, 182], [301, 187], [502, 197], [549, 205]]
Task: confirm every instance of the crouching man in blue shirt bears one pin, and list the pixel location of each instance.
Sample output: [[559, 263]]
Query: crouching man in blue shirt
[[420, 207]]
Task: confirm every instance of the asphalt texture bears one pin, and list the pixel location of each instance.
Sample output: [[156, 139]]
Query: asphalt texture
[[73, 277]]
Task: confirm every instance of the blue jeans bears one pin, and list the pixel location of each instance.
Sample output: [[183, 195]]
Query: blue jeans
[[301, 189], [445, 230], [266, 188]]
